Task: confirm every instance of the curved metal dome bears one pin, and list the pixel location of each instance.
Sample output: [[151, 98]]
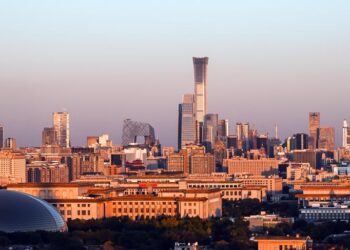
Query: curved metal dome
[[21, 212]]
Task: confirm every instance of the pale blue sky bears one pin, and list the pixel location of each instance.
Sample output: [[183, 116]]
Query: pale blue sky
[[104, 61]]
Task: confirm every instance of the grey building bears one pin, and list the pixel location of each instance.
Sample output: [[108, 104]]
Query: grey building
[[187, 121]]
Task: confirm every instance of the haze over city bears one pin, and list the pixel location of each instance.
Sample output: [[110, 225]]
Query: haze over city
[[269, 62]]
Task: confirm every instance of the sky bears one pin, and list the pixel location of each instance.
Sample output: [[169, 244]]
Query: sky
[[270, 62]]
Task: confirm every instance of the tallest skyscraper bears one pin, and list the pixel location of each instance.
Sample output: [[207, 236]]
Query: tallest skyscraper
[[200, 88]]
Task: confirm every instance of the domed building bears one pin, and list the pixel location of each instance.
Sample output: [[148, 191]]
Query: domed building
[[21, 212]]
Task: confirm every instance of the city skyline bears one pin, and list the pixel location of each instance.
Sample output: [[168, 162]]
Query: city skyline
[[261, 71]]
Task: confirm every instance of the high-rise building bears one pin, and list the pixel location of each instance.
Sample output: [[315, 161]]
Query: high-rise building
[[61, 125], [301, 141], [10, 143], [12, 167], [1, 136], [346, 134], [326, 138], [314, 124], [187, 121], [133, 129], [242, 131], [49, 136], [200, 80], [222, 129], [210, 130], [232, 141]]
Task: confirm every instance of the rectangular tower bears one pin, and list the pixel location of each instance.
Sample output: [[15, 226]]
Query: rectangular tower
[[61, 125], [200, 66], [1, 136], [187, 121], [314, 125], [326, 138], [49, 136]]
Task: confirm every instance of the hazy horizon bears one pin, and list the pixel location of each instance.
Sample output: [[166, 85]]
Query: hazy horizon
[[104, 61]]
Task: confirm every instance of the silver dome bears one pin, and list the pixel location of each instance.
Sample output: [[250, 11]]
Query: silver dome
[[21, 212]]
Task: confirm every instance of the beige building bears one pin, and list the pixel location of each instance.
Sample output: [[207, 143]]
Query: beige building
[[263, 167], [202, 164], [273, 184], [257, 223], [283, 242], [78, 201], [47, 172], [12, 167]]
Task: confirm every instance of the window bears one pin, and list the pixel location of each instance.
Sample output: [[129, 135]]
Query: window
[[83, 212]]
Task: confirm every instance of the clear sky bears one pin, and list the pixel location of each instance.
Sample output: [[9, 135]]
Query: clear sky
[[104, 61]]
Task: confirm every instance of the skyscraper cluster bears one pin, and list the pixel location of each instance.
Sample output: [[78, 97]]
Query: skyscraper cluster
[[195, 125], [59, 133]]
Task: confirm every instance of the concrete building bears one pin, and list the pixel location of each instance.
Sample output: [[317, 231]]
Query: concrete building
[[299, 171], [326, 139], [302, 141], [239, 166], [49, 136], [200, 66], [272, 184], [257, 223], [187, 121], [11, 143], [314, 124], [1, 136], [223, 130], [283, 242], [77, 201], [61, 125], [346, 135], [47, 172], [210, 131], [202, 164], [313, 157], [12, 167], [326, 212]]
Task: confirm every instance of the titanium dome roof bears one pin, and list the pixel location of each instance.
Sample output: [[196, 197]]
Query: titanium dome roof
[[21, 212]]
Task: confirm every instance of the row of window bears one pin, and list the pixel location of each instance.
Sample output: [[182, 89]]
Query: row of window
[[213, 186], [143, 203], [141, 210]]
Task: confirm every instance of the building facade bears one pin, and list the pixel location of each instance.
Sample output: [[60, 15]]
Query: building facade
[[200, 66], [61, 126], [187, 121], [314, 124]]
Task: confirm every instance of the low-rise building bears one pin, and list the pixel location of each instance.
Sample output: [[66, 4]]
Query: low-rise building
[[257, 223], [283, 242], [325, 212], [265, 167]]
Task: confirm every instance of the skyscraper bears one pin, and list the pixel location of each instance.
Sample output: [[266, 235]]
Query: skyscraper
[[222, 129], [210, 130], [242, 131], [49, 136], [200, 89], [314, 125], [1, 136], [187, 121], [61, 126], [10, 143], [326, 138], [301, 141], [346, 134]]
